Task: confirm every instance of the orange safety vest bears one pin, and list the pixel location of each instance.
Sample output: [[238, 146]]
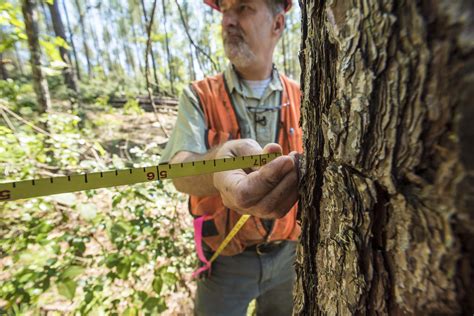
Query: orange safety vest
[[222, 125]]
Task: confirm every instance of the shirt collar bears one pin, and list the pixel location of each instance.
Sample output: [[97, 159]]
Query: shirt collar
[[233, 81]]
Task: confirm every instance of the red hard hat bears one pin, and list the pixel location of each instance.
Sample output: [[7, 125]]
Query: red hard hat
[[215, 5]]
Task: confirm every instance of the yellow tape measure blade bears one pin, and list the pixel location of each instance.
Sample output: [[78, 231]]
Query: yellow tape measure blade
[[24, 189], [242, 220]]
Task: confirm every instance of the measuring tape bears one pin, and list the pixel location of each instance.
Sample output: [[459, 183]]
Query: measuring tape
[[16, 190]]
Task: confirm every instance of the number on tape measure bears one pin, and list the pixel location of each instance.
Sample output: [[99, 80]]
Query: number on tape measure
[[4, 195], [260, 162]]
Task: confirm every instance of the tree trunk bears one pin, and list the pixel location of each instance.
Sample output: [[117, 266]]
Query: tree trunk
[[387, 178], [3, 69], [149, 48], [19, 61], [135, 43], [192, 69], [84, 38], [168, 54], [71, 40], [40, 84], [283, 53], [68, 73], [47, 21]]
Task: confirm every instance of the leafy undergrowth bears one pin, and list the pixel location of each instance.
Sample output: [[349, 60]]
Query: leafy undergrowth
[[125, 250]]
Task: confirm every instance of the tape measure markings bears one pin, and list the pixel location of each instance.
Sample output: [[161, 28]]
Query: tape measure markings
[[16, 190]]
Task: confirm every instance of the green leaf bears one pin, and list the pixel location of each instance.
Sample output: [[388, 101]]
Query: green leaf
[[120, 229], [139, 258], [169, 278], [157, 285], [154, 303], [51, 50], [58, 41], [112, 260], [67, 288], [72, 272], [88, 297], [116, 200], [123, 268], [130, 311]]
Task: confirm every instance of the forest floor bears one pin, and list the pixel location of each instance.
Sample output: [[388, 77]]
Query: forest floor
[[120, 131]]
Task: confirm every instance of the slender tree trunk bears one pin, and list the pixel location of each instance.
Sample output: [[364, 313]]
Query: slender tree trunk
[[47, 20], [168, 54], [107, 65], [40, 84], [149, 49], [99, 54], [3, 69], [147, 53], [131, 65], [191, 52], [68, 73], [19, 61], [71, 41], [84, 38], [386, 191], [283, 52], [135, 44], [118, 65]]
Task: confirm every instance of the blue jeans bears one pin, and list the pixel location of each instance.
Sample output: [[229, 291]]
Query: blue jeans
[[235, 281]]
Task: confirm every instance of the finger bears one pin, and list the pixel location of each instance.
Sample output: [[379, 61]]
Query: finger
[[256, 185], [280, 200], [272, 148], [246, 147]]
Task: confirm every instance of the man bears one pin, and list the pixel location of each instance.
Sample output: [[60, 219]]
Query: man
[[233, 114]]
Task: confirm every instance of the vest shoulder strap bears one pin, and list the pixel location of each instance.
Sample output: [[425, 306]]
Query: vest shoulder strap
[[215, 102]]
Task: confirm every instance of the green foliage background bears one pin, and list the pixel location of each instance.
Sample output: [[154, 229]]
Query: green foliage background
[[112, 250]]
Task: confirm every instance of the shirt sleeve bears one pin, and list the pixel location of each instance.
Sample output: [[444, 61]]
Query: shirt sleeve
[[188, 133]]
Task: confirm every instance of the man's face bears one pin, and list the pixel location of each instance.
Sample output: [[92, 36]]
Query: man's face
[[247, 31]]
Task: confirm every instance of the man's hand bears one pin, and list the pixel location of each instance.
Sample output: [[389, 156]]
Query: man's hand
[[268, 192]]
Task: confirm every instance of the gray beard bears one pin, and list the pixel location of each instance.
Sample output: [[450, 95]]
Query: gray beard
[[239, 53]]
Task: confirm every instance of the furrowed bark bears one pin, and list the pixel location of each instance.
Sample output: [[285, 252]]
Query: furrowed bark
[[386, 192]]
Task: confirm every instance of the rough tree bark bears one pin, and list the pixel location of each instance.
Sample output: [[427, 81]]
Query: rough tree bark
[[387, 178], [40, 84]]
